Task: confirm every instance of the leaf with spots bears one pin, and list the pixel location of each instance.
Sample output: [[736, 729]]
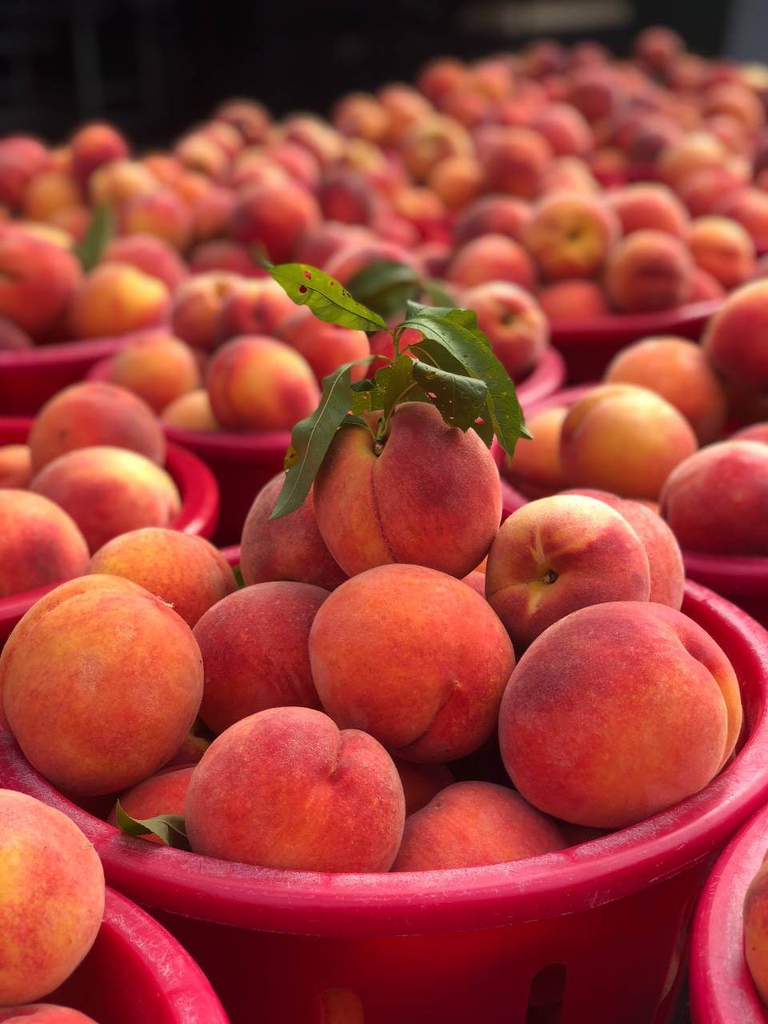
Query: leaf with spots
[[328, 300], [169, 828], [460, 399]]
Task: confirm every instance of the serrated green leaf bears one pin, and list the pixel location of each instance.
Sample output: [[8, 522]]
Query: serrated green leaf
[[328, 300], [394, 384], [361, 402], [460, 399], [99, 233], [169, 828], [385, 286]]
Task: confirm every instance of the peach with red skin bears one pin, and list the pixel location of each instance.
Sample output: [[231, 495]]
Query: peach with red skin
[[515, 325], [470, 824], [289, 548], [200, 153], [316, 135], [565, 129], [222, 255], [695, 151], [114, 183], [211, 213], [427, 143], [258, 383], [754, 432], [749, 207], [646, 271], [584, 745], [569, 174], [298, 162], [596, 93], [255, 168], [324, 346], [319, 243], [94, 413], [404, 106], [421, 782], [475, 580], [733, 339], [190, 752], [275, 216], [48, 193], [43, 1013], [157, 367], [558, 554], [457, 181], [149, 254], [493, 214], [197, 306], [15, 466], [164, 793], [161, 213], [255, 306], [226, 137], [704, 190], [248, 796], [649, 205], [624, 439], [723, 248], [755, 931], [347, 197], [250, 118], [442, 75], [94, 145], [515, 160], [572, 300], [454, 709], [37, 281], [373, 509], [704, 287], [185, 571], [659, 47], [737, 101], [21, 158], [715, 500], [121, 657], [423, 209], [12, 338], [570, 235], [116, 298], [360, 115], [491, 258], [535, 468], [679, 371], [191, 412], [354, 257]]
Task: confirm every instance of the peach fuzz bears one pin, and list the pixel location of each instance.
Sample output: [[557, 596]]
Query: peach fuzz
[[723, 248], [755, 938], [109, 491], [149, 254], [649, 206], [470, 824], [255, 651], [570, 235], [122, 659], [161, 213], [275, 216], [421, 782], [258, 383], [37, 280], [394, 506], [48, 193], [92, 146], [15, 466], [116, 298], [648, 270], [515, 325], [679, 371], [556, 555], [324, 346], [494, 214], [254, 306], [21, 158], [515, 160], [51, 898], [646, 715], [184, 571], [118, 181], [164, 793], [191, 412], [94, 413], [248, 796], [454, 709], [39, 543], [572, 300], [197, 305], [157, 367], [715, 501], [735, 340], [43, 1013], [624, 439], [491, 258], [289, 548], [535, 467]]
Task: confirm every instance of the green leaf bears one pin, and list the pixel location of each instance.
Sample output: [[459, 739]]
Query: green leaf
[[327, 299], [237, 573], [169, 828], [385, 286], [311, 438], [100, 232], [460, 399], [438, 294], [392, 382]]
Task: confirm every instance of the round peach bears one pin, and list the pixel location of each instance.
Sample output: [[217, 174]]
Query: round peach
[[324, 346], [164, 793], [735, 340], [119, 180], [254, 306], [649, 206], [536, 467], [723, 248], [491, 258], [421, 782], [274, 215], [492, 215], [565, 129], [515, 160], [191, 412], [94, 145], [157, 367], [572, 300], [15, 466], [37, 280], [149, 254], [648, 270], [47, 193], [197, 306], [116, 298], [515, 325], [570, 235]]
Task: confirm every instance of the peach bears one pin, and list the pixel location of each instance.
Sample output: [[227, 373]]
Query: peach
[[558, 554], [715, 500], [347, 197], [648, 270], [624, 439], [15, 466], [255, 651], [639, 721], [157, 367], [164, 167], [319, 243], [191, 412], [649, 206], [723, 248], [254, 167], [535, 467], [596, 93], [500, 215], [21, 159], [470, 824], [94, 413], [12, 338], [199, 153], [211, 213], [565, 129], [421, 782], [737, 101], [43, 1013], [255, 306], [51, 902], [248, 796], [191, 750], [572, 300], [659, 47], [754, 432], [515, 325], [704, 190], [404, 106], [570, 235], [704, 287], [250, 118], [37, 280], [313, 133], [161, 213], [491, 258], [696, 151], [94, 145], [114, 183], [347, 262], [109, 491], [186, 572], [754, 931], [39, 543], [122, 658], [679, 371], [226, 136], [191, 186], [427, 143], [116, 298], [749, 207], [570, 174], [149, 254], [289, 548], [515, 160], [257, 383], [440, 76], [164, 793], [47, 193], [197, 306], [324, 346], [275, 216], [457, 181], [222, 255], [733, 338], [361, 115]]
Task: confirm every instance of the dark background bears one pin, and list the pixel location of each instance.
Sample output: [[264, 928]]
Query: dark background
[[154, 67]]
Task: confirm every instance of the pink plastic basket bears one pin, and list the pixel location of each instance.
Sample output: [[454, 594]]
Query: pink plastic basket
[[136, 973], [743, 579], [489, 944], [721, 989], [198, 515]]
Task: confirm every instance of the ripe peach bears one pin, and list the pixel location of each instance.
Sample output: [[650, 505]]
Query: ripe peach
[[164, 793], [15, 466], [624, 439], [749, 207], [149, 254], [211, 213], [569, 174], [596, 93], [659, 47], [421, 782], [313, 133], [203, 155], [250, 118], [457, 181], [442, 75], [94, 413], [257, 383], [515, 325], [116, 298], [319, 243], [356, 256], [324, 346], [473, 823], [704, 190], [37, 280], [570, 235], [733, 338], [491, 258], [161, 213], [186, 572], [52, 900], [222, 255], [191, 412], [737, 101], [535, 467], [275, 216], [704, 287], [109, 491], [361, 115], [248, 796], [39, 543], [649, 205], [427, 143], [648, 270], [499, 215], [157, 367], [572, 300], [404, 106], [723, 248], [565, 129], [454, 708], [121, 658], [42, 1013], [21, 159], [12, 338], [347, 197], [754, 931], [197, 306], [254, 306], [94, 145], [695, 152], [515, 160], [47, 193], [114, 183], [611, 741]]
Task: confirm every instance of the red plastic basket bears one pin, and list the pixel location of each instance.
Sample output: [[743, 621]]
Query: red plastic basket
[[742, 579], [198, 515], [137, 972], [721, 989], [488, 944]]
